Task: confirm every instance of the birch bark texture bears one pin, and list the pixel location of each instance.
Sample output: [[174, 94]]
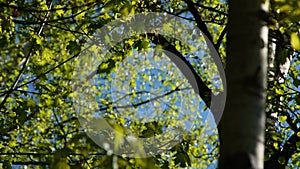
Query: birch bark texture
[[242, 126]]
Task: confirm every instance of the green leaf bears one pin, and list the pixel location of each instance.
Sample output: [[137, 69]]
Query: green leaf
[[296, 82], [38, 39], [275, 144], [281, 160], [298, 144], [73, 47], [295, 41], [282, 118], [286, 8], [80, 16], [62, 164], [59, 12]]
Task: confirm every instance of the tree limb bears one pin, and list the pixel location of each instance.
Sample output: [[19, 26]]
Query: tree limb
[[201, 25]]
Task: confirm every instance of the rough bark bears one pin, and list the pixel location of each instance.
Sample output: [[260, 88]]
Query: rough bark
[[242, 126]]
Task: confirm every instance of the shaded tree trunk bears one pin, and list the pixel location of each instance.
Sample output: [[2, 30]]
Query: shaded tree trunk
[[242, 126]]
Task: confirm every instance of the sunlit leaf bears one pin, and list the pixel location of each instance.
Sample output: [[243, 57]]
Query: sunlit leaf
[[295, 41]]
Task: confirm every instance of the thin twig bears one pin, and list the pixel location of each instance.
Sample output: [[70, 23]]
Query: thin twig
[[211, 9]]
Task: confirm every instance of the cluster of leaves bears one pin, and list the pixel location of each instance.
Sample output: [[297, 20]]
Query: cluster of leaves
[[282, 127], [40, 42]]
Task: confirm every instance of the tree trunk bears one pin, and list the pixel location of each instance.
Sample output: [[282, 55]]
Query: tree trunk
[[242, 126]]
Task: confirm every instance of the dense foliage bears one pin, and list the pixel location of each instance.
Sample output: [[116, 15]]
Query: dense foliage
[[41, 42]]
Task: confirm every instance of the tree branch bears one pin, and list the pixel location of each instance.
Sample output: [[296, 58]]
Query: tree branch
[[202, 90], [221, 37], [29, 163], [201, 25], [143, 102], [211, 9]]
